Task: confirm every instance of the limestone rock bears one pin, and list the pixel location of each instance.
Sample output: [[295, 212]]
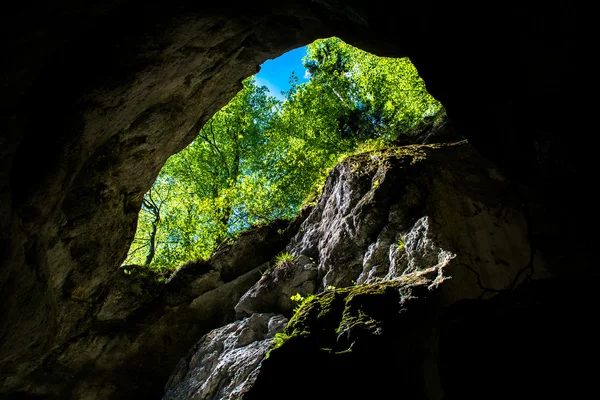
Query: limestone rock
[[388, 213], [191, 280], [436, 129], [143, 323], [392, 339], [133, 289], [253, 247], [273, 291], [225, 362], [411, 252]]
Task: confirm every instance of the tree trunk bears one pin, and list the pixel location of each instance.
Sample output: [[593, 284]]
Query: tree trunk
[[152, 248], [154, 209]]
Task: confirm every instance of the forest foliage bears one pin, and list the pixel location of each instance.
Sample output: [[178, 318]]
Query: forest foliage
[[259, 159]]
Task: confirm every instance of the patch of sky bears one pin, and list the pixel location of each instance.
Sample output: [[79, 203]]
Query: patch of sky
[[275, 74]]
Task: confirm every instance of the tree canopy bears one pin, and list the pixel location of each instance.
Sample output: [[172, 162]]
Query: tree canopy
[[259, 159]]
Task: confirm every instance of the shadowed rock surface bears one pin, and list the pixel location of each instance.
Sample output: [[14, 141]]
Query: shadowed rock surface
[[250, 250], [549, 335], [393, 340], [277, 285], [95, 97], [374, 341], [143, 325]]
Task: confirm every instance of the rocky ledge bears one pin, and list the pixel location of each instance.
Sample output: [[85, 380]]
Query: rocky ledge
[[398, 237]]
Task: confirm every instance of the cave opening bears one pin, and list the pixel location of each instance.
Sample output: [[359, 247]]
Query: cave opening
[[95, 99], [266, 154]]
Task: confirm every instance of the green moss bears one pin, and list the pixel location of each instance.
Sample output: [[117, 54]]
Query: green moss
[[144, 274], [368, 161], [336, 317], [304, 314], [279, 339], [343, 330], [362, 311]]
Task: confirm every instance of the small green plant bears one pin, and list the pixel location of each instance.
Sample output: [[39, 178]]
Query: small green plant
[[301, 300], [330, 287], [400, 242], [284, 258], [297, 297]]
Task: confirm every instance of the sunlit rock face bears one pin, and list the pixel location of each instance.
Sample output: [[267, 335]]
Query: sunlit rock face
[[391, 213], [95, 98], [225, 362]]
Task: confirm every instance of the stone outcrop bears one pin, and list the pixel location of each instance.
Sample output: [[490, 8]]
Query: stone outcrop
[[224, 363], [397, 237], [95, 97], [250, 250], [390, 213], [278, 284]]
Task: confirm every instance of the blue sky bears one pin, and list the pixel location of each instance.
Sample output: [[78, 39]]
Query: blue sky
[[275, 74]]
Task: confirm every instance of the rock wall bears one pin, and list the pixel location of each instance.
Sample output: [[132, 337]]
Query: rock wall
[[397, 237], [142, 325], [81, 147], [389, 213]]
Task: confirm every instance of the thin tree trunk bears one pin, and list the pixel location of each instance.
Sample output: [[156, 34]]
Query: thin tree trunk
[[154, 209], [152, 249]]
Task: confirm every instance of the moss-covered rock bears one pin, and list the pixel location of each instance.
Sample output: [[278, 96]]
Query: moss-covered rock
[[363, 341], [132, 290]]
